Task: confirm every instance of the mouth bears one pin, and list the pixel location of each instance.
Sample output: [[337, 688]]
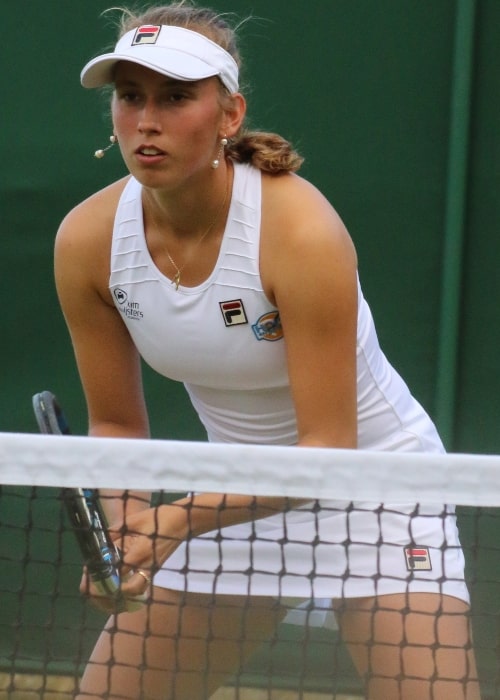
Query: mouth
[[150, 151]]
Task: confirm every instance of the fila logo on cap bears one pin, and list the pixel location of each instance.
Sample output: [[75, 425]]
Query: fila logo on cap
[[147, 34], [418, 559]]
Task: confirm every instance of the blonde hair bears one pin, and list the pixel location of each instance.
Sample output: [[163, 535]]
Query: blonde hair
[[269, 152]]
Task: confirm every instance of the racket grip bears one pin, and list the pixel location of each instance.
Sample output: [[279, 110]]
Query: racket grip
[[105, 576], [106, 587]]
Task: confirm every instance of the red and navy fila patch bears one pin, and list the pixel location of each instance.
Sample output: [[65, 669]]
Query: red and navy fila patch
[[233, 312], [147, 34], [418, 559]]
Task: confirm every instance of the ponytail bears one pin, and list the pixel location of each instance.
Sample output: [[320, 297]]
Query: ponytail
[[269, 152]]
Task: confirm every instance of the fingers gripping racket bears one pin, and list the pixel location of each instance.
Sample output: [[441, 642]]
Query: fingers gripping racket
[[85, 512]]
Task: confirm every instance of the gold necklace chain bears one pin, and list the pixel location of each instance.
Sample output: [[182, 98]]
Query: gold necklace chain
[[178, 270]]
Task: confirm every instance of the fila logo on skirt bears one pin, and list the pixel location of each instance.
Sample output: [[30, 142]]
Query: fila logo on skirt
[[418, 559]]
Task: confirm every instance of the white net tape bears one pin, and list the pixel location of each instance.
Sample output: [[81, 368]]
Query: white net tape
[[45, 460]]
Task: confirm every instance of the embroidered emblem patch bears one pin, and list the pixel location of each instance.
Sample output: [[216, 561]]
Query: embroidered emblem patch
[[120, 295], [418, 559], [147, 34], [233, 312], [268, 326]]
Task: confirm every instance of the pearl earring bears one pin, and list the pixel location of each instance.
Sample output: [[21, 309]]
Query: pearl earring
[[223, 144], [100, 153]]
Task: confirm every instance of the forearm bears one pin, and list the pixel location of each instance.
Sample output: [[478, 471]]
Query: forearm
[[201, 513], [155, 533]]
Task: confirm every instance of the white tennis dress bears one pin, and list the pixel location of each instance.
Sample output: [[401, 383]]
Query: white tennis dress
[[224, 340]]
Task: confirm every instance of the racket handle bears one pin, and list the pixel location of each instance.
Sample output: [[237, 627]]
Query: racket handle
[[109, 587]]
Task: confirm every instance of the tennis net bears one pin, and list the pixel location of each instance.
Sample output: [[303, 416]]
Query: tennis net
[[48, 630]]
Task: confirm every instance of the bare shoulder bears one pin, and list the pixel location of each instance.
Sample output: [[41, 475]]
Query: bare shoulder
[[295, 208], [93, 217], [300, 227], [83, 240]]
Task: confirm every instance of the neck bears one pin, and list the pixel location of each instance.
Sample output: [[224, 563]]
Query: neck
[[175, 247], [185, 212]]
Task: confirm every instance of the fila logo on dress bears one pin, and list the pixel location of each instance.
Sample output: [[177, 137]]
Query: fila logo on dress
[[418, 559], [233, 312]]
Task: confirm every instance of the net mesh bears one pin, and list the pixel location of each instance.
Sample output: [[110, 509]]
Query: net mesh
[[48, 630]]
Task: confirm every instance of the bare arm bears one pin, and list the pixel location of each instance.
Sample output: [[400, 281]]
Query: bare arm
[[310, 269], [107, 360]]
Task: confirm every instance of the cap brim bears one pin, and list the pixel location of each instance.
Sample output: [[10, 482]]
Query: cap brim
[[170, 62]]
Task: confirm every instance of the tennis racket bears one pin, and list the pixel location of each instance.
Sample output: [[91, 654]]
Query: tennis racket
[[86, 515]]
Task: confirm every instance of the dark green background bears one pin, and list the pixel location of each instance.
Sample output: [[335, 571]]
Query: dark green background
[[368, 91]]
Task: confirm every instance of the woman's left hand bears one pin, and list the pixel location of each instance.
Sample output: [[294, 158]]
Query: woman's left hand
[[146, 540]]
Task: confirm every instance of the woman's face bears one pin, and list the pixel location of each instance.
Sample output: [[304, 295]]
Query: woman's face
[[168, 130]]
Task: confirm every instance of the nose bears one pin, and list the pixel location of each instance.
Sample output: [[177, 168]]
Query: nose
[[149, 121]]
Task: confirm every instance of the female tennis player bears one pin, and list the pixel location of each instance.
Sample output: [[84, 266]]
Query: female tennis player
[[222, 268]]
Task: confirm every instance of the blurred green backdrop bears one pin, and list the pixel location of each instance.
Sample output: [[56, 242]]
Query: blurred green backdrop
[[394, 104]]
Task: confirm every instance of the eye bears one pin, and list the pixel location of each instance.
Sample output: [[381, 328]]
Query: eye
[[175, 97], [129, 96], [178, 92]]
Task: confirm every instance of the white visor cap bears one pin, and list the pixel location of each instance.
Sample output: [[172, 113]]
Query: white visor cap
[[174, 51]]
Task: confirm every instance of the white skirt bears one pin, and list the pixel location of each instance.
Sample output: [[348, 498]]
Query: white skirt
[[331, 549]]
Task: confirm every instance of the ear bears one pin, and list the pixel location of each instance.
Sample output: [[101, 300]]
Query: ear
[[234, 115]]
